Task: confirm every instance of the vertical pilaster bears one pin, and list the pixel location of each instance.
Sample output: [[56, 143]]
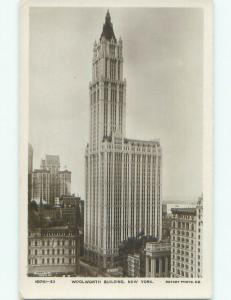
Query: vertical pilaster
[[153, 267], [129, 195], [109, 129], [160, 266], [122, 194], [156, 194], [147, 274], [166, 266], [145, 193]]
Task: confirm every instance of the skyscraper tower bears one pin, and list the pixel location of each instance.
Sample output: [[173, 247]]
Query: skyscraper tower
[[52, 164], [123, 176], [107, 89]]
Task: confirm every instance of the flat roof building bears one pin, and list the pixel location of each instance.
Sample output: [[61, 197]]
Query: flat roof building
[[53, 251], [186, 241], [158, 259]]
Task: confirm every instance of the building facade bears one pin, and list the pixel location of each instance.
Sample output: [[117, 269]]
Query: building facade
[[53, 251], [41, 186], [74, 203], [64, 183], [133, 265], [52, 164], [70, 201], [158, 256], [167, 207], [186, 241], [123, 176], [49, 183]]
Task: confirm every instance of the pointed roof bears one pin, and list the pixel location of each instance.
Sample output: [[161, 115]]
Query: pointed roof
[[108, 32]]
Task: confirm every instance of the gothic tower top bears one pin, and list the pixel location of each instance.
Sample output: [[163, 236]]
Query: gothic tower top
[[108, 32]]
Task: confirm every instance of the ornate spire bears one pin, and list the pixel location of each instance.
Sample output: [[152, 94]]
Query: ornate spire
[[108, 32]]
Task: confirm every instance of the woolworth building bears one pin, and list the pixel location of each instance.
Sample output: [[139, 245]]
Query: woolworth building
[[123, 176]]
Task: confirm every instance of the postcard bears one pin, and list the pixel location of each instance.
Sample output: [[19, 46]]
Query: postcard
[[116, 155]]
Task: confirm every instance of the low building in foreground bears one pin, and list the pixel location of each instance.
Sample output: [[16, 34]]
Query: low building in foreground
[[158, 259], [186, 241], [53, 251], [133, 265]]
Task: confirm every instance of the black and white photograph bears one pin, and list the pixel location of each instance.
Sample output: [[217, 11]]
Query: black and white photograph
[[117, 180]]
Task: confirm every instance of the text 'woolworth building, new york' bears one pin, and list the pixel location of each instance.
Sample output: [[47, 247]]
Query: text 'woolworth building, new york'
[[123, 176]]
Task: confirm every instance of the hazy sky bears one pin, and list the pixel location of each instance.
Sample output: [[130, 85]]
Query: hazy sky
[[162, 49]]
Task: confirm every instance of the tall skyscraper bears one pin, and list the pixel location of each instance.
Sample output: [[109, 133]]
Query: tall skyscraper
[[64, 183], [49, 182], [41, 186], [123, 176], [52, 163]]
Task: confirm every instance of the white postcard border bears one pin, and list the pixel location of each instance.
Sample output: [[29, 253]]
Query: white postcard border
[[63, 288]]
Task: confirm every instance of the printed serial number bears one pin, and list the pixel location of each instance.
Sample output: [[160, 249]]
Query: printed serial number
[[44, 281]]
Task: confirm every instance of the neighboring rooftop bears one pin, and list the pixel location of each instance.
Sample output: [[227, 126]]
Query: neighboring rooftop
[[52, 159], [189, 210]]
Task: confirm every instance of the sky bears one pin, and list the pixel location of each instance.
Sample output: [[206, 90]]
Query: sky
[[163, 66]]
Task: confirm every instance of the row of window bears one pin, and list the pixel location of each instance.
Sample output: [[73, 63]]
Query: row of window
[[186, 260], [52, 242], [182, 239], [50, 251], [182, 225], [186, 232], [51, 261], [182, 273]]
